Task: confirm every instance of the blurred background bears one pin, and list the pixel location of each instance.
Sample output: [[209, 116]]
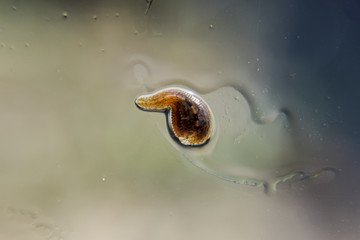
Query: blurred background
[[78, 160]]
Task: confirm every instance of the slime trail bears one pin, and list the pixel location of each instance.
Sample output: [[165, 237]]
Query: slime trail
[[190, 123]]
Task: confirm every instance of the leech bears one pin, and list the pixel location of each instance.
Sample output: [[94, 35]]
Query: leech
[[189, 117]]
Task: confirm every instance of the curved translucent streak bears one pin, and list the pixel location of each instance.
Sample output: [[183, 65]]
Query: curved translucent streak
[[251, 147]]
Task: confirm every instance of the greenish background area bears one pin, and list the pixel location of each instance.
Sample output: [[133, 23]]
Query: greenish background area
[[78, 160]]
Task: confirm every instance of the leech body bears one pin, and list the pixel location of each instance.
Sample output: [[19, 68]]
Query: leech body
[[189, 117]]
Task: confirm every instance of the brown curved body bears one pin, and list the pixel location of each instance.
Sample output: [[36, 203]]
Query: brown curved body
[[189, 116]]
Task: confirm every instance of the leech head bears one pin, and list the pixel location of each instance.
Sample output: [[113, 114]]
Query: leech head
[[189, 117]]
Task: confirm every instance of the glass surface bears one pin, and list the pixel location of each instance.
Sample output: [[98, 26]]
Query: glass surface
[[78, 159]]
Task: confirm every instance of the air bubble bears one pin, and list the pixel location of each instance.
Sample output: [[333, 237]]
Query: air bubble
[[211, 26]]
